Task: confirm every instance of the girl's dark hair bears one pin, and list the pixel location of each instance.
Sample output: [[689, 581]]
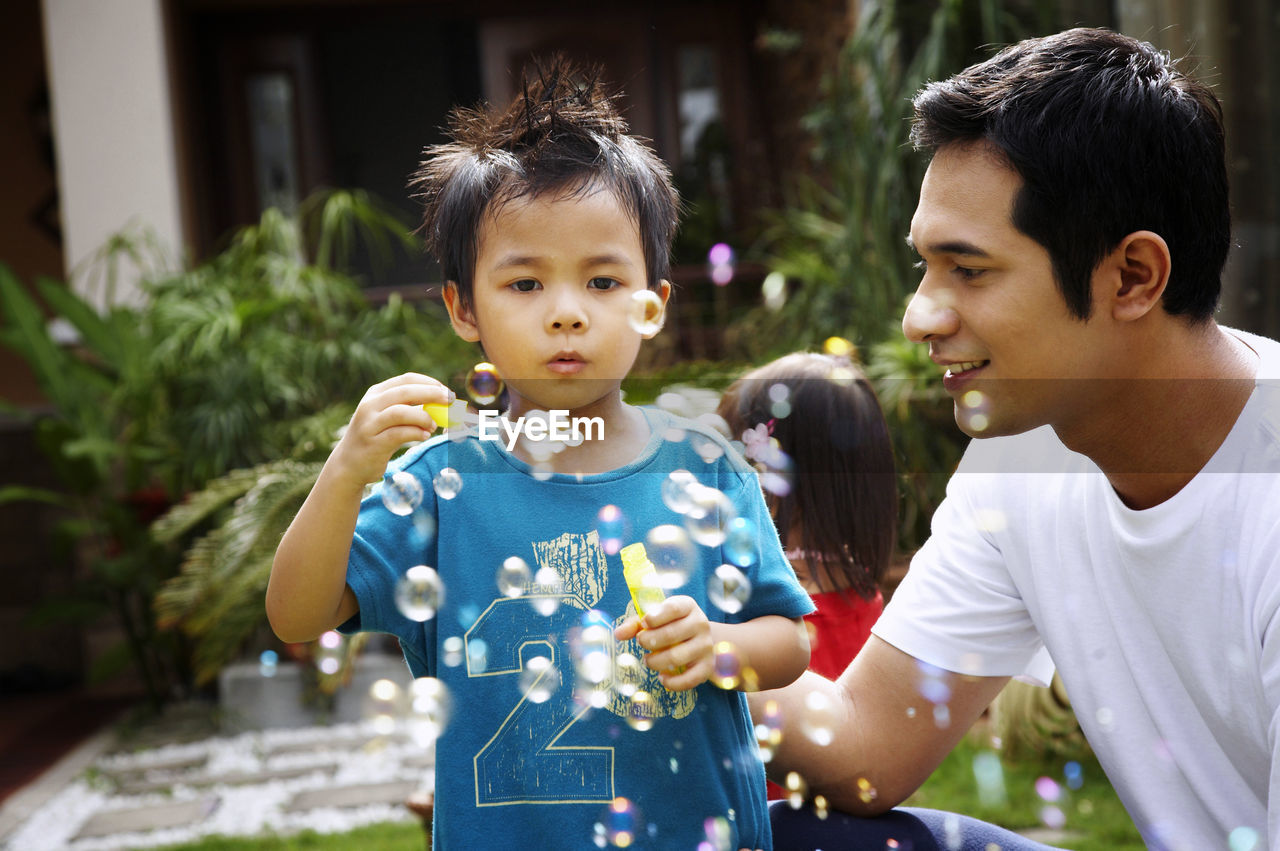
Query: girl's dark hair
[[1109, 138], [563, 133], [843, 487]]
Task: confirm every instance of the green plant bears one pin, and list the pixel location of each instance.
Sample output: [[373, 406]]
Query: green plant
[[926, 441], [839, 241], [248, 361]]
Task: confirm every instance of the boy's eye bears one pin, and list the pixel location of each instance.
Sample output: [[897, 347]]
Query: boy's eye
[[525, 285], [602, 284]]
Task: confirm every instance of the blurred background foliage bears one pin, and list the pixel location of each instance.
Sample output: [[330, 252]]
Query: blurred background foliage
[[225, 389], [212, 406]]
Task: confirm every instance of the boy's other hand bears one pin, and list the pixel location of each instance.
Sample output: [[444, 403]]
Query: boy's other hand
[[389, 415], [677, 636]]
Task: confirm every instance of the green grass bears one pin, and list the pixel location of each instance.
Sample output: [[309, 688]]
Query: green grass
[[1095, 820], [387, 836], [1094, 817]]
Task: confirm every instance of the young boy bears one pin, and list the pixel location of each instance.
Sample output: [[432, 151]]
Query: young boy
[[548, 219]]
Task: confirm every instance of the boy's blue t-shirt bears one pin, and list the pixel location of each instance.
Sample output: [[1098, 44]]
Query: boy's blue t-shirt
[[563, 755]]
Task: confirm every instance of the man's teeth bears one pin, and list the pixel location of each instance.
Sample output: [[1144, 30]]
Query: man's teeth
[[964, 366]]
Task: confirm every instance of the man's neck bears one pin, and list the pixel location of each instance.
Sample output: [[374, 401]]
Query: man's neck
[[1157, 430]]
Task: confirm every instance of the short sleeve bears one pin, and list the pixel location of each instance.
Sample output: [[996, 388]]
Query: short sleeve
[[774, 587], [958, 607], [384, 547]]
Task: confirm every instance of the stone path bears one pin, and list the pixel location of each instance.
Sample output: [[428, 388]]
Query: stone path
[[324, 778]]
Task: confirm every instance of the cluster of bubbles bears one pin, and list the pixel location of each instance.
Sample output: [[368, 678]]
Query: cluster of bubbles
[[619, 825], [933, 686], [422, 709], [330, 652], [720, 264], [974, 410], [1050, 792]]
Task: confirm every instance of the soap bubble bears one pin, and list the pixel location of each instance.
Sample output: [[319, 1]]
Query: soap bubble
[[477, 656], [642, 711], [628, 673], [818, 718], [619, 824], [672, 554], [419, 593], [769, 730], [547, 591], [989, 774], [774, 290], [447, 483], [513, 577], [611, 527], [840, 347], [454, 649], [720, 264], [383, 705], [645, 312], [796, 788], [268, 663], [484, 385], [1243, 839], [740, 541], [429, 708], [329, 652], [676, 490], [539, 679], [591, 644], [709, 514], [1074, 774], [729, 589], [401, 493], [726, 666], [974, 411], [1048, 789], [719, 835]]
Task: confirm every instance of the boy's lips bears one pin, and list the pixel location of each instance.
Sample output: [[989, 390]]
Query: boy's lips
[[567, 363]]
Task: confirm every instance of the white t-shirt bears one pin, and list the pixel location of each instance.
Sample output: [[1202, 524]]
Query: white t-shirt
[[1162, 622]]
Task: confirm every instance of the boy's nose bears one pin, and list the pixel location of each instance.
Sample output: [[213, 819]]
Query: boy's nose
[[567, 314], [929, 316]]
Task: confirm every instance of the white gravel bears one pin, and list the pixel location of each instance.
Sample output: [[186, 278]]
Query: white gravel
[[241, 809]]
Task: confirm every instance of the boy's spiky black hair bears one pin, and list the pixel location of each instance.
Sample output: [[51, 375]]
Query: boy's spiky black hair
[[562, 133]]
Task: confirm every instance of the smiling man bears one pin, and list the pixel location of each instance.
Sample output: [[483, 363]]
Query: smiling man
[[1120, 517]]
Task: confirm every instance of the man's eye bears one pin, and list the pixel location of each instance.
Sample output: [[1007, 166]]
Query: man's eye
[[525, 285], [968, 274], [602, 283]]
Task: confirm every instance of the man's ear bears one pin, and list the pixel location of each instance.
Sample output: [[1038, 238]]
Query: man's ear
[[659, 314], [1135, 275], [461, 316]]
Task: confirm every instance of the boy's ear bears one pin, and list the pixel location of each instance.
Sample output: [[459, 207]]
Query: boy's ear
[[460, 316], [1135, 274], [660, 313]]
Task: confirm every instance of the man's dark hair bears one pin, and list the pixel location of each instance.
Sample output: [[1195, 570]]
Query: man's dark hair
[[563, 133], [1109, 138], [844, 492]]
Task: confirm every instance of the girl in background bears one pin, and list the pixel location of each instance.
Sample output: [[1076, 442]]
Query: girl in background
[[813, 425]]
